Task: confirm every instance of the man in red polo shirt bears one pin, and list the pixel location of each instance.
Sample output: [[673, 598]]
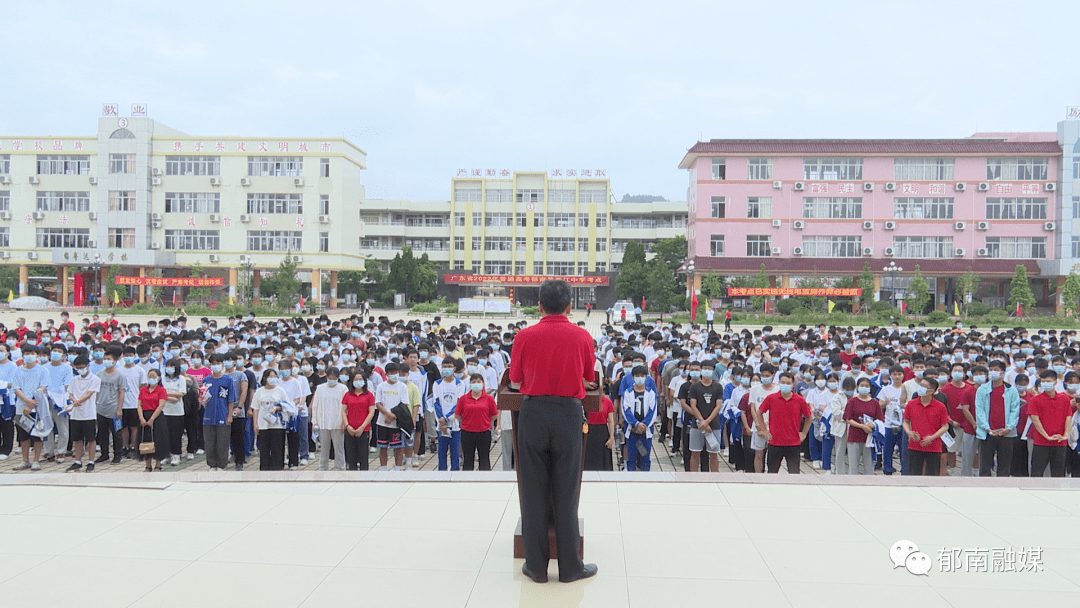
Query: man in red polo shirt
[[784, 435], [553, 364], [1051, 413], [925, 421]]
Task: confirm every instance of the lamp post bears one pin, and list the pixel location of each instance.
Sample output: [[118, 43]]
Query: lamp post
[[249, 264], [96, 267], [892, 269]]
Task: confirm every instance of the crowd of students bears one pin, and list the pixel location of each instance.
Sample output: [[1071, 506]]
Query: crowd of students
[[914, 400]]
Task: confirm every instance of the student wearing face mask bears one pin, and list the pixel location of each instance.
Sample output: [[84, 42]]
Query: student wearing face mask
[[1051, 415], [639, 412], [268, 421], [860, 413], [704, 405], [175, 389], [758, 442], [893, 398], [154, 428], [446, 392], [326, 415], [997, 411], [389, 395], [925, 421], [357, 410], [219, 401], [476, 412], [789, 422], [817, 397], [82, 392]]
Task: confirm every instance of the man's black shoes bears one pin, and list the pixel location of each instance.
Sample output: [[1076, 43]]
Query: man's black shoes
[[586, 572], [537, 578]]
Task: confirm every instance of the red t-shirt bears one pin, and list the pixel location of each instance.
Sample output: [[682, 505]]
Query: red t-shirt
[[855, 410], [199, 374], [958, 396], [925, 420], [997, 407], [606, 407], [1052, 413], [476, 413], [357, 407], [542, 374], [908, 374], [785, 421], [150, 398], [846, 357]]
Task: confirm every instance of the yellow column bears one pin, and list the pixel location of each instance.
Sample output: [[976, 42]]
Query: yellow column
[[316, 285], [869, 297], [142, 288], [785, 281], [232, 285], [942, 285], [63, 285], [24, 277], [333, 289], [256, 280], [1059, 301]]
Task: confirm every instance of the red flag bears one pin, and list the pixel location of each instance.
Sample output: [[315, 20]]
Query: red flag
[[693, 306], [642, 303], [301, 301], [903, 307], [766, 307], [174, 295], [1019, 310]]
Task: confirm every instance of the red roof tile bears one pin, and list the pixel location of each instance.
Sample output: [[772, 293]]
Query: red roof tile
[[849, 147], [852, 266]]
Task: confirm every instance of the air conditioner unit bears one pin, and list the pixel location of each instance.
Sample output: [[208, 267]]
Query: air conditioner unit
[[93, 181], [778, 184], [800, 186], [982, 253], [156, 181], [156, 217], [959, 252], [868, 225], [244, 217], [91, 244], [296, 259], [1050, 187], [1049, 226], [156, 171], [889, 251], [890, 225], [298, 182], [155, 245], [960, 226], [245, 259], [982, 226], [5, 255], [776, 251], [797, 251], [890, 186], [868, 187], [34, 179], [39, 215], [5, 179], [155, 224], [214, 217], [31, 255], [799, 225], [868, 251], [92, 216], [245, 181], [776, 223], [215, 258], [5, 215], [215, 181], [984, 187], [324, 219]]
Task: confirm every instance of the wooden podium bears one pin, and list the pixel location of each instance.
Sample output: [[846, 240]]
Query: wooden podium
[[509, 400]]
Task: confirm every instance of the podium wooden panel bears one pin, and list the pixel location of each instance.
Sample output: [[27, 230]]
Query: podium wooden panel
[[511, 401]]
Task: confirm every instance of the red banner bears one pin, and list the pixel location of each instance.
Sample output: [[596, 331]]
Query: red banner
[[842, 292], [172, 281], [503, 279]]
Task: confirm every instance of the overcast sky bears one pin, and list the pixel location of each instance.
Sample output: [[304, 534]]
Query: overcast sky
[[427, 88]]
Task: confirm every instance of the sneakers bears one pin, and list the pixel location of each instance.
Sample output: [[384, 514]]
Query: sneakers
[[190, 456], [175, 460], [74, 467], [3, 457], [200, 451], [116, 459], [90, 468], [59, 459], [303, 462], [22, 466], [35, 466], [239, 467]]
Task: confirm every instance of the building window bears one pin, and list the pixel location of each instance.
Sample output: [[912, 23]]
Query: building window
[[324, 242], [121, 163], [63, 201], [832, 246], [601, 267], [276, 166], [758, 246], [601, 220], [5, 200], [759, 168], [468, 195], [592, 195], [324, 204], [538, 268], [583, 220], [427, 244], [121, 200], [560, 220], [521, 220], [459, 264], [476, 266], [63, 165], [924, 169], [719, 168], [560, 268], [324, 167], [582, 268], [922, 246], [192, 165], [519, 268], [1075, 246], [923, 208], [538, 220], [759, 207], [832, 168], [477, 243], [499, 195], [63, 238], [561, 196], [832, 208], [5, 237], [529, 196], [499, 220], [519, 243], [459, 219], [1076, 207], [1017, 169], [1016, 247], [497, 267], [5, 164], [601, 244], [459, 243], [1076, 168], [497, 243], [1016, 208], [719, 207], [716, 245], [560, 244], [427, 220], [538, 244], [275, 240], [192, 202], [275, 203], [121, 238]]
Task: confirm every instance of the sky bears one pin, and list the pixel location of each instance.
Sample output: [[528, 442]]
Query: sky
[[427, 88]]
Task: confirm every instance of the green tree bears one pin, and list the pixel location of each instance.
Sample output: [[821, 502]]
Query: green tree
[[632, 282], [663, 289], [427, 278], [112, 289], [417, 278], [283, 283], [921, 291], [1020, 290], [760, 280], [712, 285], [672, 254], [1070, 292], [966, 285], [200, 294], [9, 281], [865, 281], [811, 302]]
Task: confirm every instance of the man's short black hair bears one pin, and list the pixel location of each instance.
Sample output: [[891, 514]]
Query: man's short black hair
[[554, 296]]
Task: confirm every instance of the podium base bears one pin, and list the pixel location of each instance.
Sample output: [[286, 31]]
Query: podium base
[[519, 544]]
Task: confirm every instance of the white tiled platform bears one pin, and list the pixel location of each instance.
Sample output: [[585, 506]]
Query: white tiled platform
[[437, 540]]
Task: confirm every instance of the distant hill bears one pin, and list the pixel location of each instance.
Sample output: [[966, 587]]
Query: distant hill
[[642, 198]]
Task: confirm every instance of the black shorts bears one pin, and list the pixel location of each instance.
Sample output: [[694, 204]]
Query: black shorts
[[390, 437], [130, 418], [83, 430], [21, 436]]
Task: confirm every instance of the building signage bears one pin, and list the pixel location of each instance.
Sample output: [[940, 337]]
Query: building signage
[[172, 281], [502, 279], [734, 292], [1072, 113], [554, 173]]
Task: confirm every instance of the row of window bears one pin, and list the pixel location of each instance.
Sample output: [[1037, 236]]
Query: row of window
[[183, 240], [915, 169], [504, 243], [554, 220], [175, 202], [78, 164], [1020, 247], [539, 268], [847, 208], [529, 195]]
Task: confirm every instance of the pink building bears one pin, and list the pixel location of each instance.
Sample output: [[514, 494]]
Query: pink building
[[825, 207]]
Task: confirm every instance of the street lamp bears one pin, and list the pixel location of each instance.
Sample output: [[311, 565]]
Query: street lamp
[[892, 269], [248, 265], [96, 267]]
